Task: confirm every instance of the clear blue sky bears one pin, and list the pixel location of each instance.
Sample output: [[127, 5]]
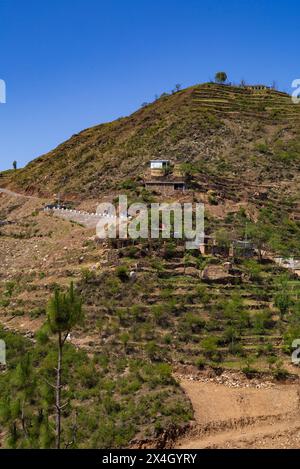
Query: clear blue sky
[[70, 64]]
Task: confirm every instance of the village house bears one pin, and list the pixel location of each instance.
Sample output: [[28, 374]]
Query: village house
[[159, 168], [206, 245], [290, 263], [164, 177], [242, 248], [258, 87]]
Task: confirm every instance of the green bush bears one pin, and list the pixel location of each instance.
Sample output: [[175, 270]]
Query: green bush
[[122, 273]]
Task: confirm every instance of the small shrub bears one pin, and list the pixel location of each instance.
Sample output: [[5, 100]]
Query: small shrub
[[122, 273], [200, 363]]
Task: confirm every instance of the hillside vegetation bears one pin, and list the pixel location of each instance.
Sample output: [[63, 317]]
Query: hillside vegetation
[[228, 135], [181, 312]]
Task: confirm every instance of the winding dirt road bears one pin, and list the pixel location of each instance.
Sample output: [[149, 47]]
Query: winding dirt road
[[15, 194]]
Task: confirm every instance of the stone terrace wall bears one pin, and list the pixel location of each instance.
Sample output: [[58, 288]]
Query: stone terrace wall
[[90, 220]]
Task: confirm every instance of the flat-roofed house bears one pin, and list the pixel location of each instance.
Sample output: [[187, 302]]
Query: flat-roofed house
[[159, 167], [258, 87], [290, 263], [243, 248], [163, 179]]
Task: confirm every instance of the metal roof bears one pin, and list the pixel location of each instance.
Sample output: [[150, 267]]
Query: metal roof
[[159, 161]]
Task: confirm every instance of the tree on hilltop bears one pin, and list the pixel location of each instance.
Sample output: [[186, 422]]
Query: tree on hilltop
[[220, 77]]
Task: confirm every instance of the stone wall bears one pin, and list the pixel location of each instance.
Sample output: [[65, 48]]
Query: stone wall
[[90, 220]]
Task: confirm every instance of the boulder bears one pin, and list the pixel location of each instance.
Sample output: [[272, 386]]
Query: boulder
[[216, 273]]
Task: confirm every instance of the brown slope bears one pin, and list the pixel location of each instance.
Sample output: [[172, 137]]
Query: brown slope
[[228, 133]]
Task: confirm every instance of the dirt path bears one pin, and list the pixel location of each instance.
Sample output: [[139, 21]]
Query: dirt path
[[272, 434], [15, 194], [242, 417]]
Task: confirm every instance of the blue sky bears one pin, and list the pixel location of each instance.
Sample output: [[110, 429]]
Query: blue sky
[[71, 64]]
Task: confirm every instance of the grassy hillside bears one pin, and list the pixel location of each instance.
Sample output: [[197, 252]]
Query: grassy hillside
[[108, 402], [240, 151], [224, 133]]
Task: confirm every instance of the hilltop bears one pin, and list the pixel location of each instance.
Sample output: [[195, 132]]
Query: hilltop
[[225, 134]]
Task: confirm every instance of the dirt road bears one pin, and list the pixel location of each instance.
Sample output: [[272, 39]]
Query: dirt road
[[242, 417], [15, 194]]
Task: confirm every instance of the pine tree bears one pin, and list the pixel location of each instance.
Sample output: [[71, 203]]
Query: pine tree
[[64, 311]]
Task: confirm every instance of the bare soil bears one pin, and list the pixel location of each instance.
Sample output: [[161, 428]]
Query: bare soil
[[242, 415]]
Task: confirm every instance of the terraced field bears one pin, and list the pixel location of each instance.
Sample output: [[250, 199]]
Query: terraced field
[[232, 136], [156, 316], [221, 321]]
